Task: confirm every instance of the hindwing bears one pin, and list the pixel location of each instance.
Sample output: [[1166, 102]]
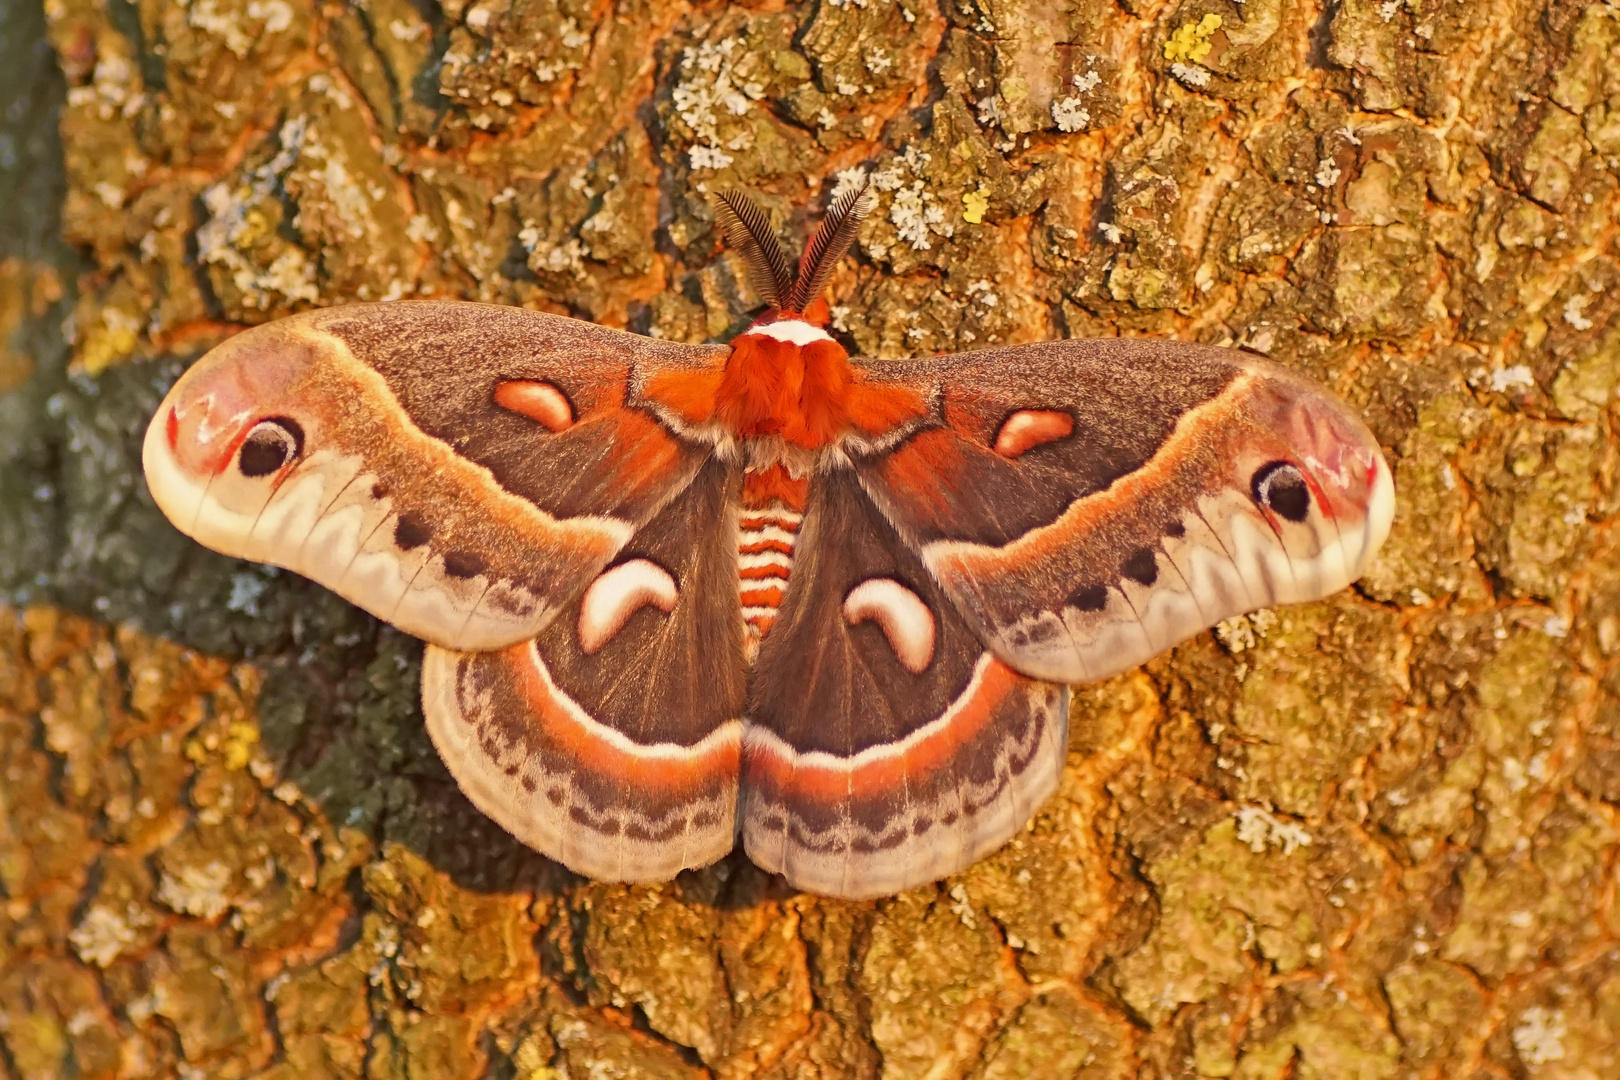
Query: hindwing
[[610, 741], [886, 746]]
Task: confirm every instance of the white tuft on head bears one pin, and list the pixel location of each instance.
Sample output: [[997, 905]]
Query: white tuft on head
[[792, 331]]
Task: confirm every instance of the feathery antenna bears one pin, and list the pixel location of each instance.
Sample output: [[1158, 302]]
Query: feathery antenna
[[825, 248], [748, 231]]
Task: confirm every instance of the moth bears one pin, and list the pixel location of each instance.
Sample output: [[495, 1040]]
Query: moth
[[675, 594]]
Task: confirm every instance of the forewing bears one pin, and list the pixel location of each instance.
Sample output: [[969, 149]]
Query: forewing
[[611, 741], [885, 747], [1088, 504], [459, 470]]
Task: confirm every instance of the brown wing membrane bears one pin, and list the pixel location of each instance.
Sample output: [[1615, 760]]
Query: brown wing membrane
[[886, 747], [1088, 504], [460, 470], [611, 741]]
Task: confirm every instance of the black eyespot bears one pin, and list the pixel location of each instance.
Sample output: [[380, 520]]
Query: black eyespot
[[1090, 598], [1142, 567], [1175, 530], [269, 445], [1280, 488]]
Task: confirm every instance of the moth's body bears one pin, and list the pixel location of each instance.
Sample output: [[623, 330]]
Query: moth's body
[[675, 593], [786, 396]]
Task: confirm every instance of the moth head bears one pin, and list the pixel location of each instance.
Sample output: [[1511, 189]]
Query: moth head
[[233, 428]]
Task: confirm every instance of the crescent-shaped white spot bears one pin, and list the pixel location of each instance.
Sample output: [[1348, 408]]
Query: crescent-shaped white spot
[[904, 618], [539, 401], [1029, 428], [618, 594]]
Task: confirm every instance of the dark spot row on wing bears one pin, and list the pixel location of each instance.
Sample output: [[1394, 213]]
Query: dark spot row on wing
[[464, 564], [411, 531], [1141, 566]]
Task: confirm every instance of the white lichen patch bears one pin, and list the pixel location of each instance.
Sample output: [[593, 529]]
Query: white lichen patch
[[197, 890], [984, 293], [408, 32], [1327, 173], [1242, 632], [914, 211], [548, 258], [1260, 829], [103, 935], [236, 223], [1539, 1035], [962, 907], [246, 588], [715, 90], [1190, 75], [238, 34], [114, 87], [1509, 378], [554, 68], [847, 180], [990, 111], [1573, 308], [1070, 114], [421, 230]]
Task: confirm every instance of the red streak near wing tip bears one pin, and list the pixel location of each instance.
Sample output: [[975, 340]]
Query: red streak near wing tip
[[171, 428]]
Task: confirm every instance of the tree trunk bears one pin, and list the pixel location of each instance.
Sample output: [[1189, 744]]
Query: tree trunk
[[1368, 838]]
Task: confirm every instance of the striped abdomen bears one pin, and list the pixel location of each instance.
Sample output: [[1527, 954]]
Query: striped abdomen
[[772, 510]]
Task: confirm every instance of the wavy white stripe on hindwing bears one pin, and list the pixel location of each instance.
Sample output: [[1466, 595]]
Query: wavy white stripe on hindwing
[[620, 762], [860, 776]]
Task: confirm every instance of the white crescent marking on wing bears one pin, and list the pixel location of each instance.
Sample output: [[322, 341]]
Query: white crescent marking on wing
[[618, 594], [904, 618]]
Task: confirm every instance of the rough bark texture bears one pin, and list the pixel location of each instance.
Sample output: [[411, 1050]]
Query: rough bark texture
[[1369, 838]]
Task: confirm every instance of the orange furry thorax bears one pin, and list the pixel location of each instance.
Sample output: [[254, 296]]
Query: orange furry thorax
[[808, 395]]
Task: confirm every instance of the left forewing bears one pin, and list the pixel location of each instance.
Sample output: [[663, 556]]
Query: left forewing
[[1088, 504], [459, 470]]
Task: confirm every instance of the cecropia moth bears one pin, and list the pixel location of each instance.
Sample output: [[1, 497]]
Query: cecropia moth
[[677, 593]]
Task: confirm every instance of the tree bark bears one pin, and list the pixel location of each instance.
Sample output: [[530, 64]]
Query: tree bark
[[1373, 837]]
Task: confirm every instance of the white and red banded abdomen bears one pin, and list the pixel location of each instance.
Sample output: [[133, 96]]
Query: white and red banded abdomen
[[767, 530], [765, 539]]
